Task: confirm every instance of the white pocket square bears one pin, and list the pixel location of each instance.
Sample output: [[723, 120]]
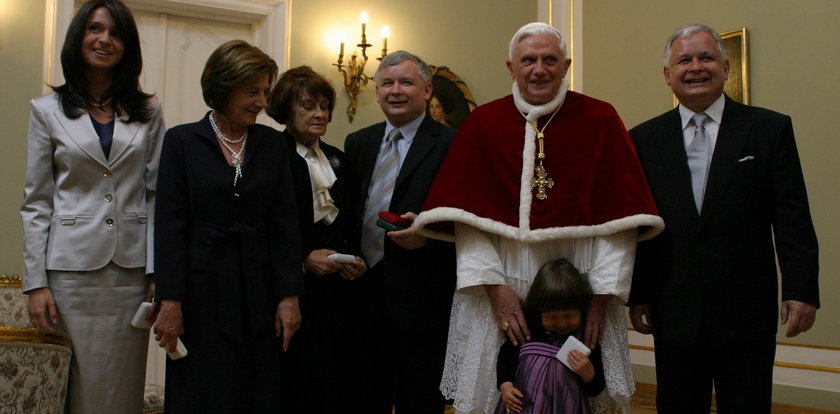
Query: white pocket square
[[747, 158]]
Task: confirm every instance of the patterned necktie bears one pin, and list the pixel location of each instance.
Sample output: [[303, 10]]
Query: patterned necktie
[[699, 156], [379, 198]]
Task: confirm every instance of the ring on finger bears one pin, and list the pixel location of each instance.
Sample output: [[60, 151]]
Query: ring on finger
[[505, 325]]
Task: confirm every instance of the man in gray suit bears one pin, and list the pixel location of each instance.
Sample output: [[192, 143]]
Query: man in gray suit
[[727, 181], [405, 297]]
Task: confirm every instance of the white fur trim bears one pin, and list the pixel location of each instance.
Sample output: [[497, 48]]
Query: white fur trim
[[440, 214], [529, 149], [524, 232]]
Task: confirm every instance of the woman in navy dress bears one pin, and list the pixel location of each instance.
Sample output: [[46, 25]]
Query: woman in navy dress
[[228, 247]]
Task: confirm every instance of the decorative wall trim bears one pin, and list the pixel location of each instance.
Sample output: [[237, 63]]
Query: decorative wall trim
[[567, 16], [13, 281], [798, 365], [269, 20]]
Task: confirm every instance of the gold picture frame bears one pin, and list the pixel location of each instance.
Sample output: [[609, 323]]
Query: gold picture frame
[[737, 86], [452, 94]]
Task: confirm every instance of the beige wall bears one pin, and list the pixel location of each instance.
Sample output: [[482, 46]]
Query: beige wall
[[471, 40], [793, 62], [21, 67], [793, 57], [436, 32]]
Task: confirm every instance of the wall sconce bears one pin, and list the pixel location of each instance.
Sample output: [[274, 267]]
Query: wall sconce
[[355, 78]]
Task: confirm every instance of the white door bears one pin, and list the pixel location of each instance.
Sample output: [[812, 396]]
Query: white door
[[176, 38]]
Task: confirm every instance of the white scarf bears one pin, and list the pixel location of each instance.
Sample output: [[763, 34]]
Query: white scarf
[[322, 177]]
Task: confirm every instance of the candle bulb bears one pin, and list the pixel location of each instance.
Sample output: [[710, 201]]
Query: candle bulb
[[364, 19], [341, 52], [385, 33]]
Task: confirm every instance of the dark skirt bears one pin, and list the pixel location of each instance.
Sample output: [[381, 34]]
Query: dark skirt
[[548, 385], [221, 373]]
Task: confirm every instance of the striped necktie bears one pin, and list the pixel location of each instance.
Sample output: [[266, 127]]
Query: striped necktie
[[699, 156], [379, 198]]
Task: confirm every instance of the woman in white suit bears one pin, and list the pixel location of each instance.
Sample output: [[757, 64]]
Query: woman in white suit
[[93, 150]]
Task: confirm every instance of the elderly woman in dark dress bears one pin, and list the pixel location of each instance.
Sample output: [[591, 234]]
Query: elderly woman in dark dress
[[303, 100], [228, 245]]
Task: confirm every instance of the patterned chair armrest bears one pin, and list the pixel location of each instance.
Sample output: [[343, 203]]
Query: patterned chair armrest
[[13, 303], [34, 367]]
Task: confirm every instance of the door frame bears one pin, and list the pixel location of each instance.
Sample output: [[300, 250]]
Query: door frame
[[269, 21]]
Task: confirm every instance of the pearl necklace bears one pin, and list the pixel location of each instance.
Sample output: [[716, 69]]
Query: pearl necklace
[[235, 157], [224, 138]]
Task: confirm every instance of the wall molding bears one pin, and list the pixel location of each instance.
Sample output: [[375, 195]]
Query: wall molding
[[270, 21], [798, 365], [567, 17]]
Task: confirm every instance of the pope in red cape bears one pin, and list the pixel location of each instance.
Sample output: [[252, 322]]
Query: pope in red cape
[[537, 175]]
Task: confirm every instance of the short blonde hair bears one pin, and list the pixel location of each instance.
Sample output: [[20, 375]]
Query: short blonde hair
[[233, 64]]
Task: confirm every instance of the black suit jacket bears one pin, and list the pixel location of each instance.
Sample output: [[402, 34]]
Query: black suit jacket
[[419, 284], [715, 273]]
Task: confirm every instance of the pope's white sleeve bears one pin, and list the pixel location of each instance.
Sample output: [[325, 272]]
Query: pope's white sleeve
[[612, 264], [478, 259]]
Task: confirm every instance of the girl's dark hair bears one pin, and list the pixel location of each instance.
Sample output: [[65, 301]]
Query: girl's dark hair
[[125, 93], [290, 88], [557, 286]]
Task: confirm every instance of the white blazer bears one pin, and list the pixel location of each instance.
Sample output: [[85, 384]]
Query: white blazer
[[80, 210]]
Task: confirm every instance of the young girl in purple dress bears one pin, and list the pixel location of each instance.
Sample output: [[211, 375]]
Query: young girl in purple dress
[[530, 377]]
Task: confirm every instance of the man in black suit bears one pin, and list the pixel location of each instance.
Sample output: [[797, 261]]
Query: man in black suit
[[405, 297], [729, 186]]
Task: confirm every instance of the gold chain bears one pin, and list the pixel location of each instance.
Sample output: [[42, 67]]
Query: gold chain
[[541, 180]]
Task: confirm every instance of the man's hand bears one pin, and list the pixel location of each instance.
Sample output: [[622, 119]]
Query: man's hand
[[595, 320], [800, 314], [508, 312], [641, 319], [287, 319], [408, 238], [511, 397], [42, 310]]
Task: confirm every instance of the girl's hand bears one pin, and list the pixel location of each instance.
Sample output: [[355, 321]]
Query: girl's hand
[[581, 365], [511, 397]]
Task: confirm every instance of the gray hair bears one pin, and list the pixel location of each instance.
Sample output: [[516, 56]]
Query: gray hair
[[395, 58], [536, 29], [689, 30]]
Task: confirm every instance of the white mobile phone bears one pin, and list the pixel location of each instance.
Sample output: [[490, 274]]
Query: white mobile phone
[[570, 344], [342, 258], [139, 319], [180, 351]]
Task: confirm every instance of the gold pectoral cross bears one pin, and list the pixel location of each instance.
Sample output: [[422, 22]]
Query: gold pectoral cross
[[541, 181]]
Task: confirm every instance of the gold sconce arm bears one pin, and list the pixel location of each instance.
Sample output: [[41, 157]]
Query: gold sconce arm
[[355, 79]]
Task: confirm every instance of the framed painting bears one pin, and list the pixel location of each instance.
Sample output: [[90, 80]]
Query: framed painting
[[738, 84], [451, 99]]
